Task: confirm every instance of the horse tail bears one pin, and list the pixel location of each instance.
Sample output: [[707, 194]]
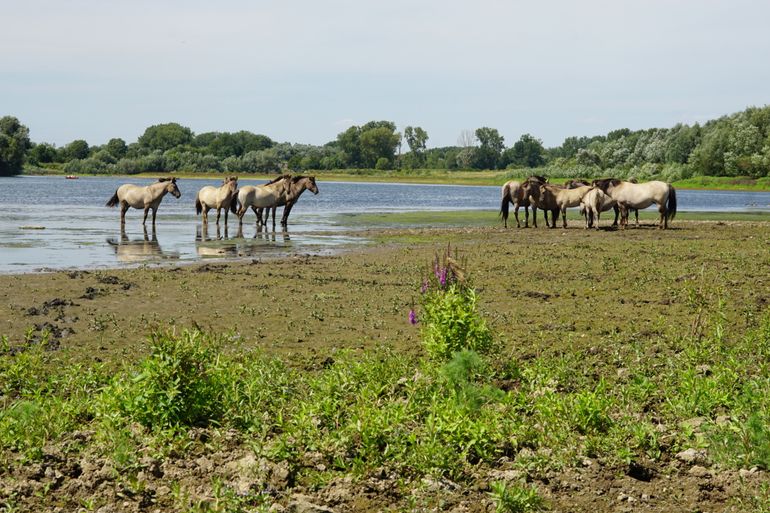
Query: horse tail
[[671, 207], [198, 206], [505, 205], [113, 200]]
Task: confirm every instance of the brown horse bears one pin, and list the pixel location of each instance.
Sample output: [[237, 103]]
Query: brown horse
[[518, 193], [558, 200], [297, 185], [149, 197]]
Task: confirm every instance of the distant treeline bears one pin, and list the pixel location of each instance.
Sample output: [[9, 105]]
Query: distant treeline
[[734, 145]]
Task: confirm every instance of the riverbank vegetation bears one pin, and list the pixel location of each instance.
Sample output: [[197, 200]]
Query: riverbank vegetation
[[522, 370], [736, 145]]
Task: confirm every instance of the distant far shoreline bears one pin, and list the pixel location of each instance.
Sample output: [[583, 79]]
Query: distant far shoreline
[[441, 177]]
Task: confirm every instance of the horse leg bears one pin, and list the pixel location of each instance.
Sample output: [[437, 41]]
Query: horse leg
[[146, 210], [154, 213], [617, 214], [554, 216], [663, 223], [516, 215], [259, 215], [287, 210], [636, 213], [218, 214], [534, 217], [123, 209], [564, 216], [526, 216], [256, 213], [275, 207]]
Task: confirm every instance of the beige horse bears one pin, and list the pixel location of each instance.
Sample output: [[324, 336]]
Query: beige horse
[[594, 203], [262, 196], [149, 197], [518, 194], [216, 197], [630, 195], [557, 200]]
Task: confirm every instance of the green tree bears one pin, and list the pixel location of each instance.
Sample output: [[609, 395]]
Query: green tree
[[14, 141], [487, 155], [43, 153], [363, 146], [116, 147], [77, 150], [165, 136], [527, 152], [416, 139]]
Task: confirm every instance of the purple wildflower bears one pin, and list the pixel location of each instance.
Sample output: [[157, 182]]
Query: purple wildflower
[[424, 287], [443, 276], [412, 317]]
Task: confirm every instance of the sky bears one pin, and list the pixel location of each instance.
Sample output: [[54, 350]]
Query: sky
[[302, 71]]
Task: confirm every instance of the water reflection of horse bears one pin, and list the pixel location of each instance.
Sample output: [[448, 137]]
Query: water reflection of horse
[[139, 250], [223, 197], [137, 196], [206, 246]]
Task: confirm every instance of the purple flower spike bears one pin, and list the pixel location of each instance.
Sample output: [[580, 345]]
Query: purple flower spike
[[412, 317], [424, 287], [442, 278]]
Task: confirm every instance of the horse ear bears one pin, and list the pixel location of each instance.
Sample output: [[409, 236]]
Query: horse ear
[[173, 179]]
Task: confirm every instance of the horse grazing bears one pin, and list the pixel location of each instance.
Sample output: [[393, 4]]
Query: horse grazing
[[518, 193], [558, 200], [297, 185], [261, 196], [148, 197], [217, 197], [630, 195]]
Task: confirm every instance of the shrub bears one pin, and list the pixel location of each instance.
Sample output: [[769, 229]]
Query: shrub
[[179, 384], [449, 320]]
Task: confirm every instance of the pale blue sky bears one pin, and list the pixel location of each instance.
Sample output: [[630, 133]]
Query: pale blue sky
[[302, 71]]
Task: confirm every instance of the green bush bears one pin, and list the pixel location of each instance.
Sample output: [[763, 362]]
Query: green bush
[[450, 321], [180, 384]]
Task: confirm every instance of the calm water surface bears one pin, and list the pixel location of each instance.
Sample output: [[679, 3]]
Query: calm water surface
[[54, 223]]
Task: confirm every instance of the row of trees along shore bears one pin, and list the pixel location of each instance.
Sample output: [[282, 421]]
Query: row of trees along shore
[[733, 145]]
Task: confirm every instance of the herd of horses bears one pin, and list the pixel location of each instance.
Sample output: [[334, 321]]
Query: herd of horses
[[593, 198], [535, 192], [282, 191]]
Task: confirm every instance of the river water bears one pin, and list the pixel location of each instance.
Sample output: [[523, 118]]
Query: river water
[[49, 222]]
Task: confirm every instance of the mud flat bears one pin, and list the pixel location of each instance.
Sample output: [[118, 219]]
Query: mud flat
[[610, 310]]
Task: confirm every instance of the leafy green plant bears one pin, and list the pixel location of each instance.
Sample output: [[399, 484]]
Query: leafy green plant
[[450, 321], [515, 498], [179, 384]]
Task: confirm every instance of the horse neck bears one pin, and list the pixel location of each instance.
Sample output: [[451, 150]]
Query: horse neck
[[297, 188], [159, 189]]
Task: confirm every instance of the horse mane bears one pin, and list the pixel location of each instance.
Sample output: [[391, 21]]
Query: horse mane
[[604, 183], [164, 179], [538, 178], [282, 177]]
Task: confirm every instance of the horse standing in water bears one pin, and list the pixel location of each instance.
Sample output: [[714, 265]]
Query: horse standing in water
[[297, 185], [261, 196], [149, 197], [217, 197], [630, 195], [518, 193]]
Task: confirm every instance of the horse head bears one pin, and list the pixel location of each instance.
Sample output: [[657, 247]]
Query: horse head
[[310, 184], [605, 183], [171, 187]]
